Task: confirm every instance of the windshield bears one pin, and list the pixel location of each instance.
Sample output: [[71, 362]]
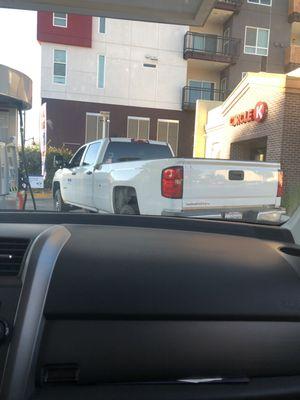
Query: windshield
[[122, 116]]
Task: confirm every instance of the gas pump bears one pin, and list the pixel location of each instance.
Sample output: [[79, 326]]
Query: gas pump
[[3, 181], [15, 98], [8, 175]]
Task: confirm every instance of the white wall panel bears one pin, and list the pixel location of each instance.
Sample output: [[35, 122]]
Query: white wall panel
[[127, 46]]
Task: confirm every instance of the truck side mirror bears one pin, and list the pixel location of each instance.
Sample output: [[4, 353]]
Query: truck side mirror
[[58, 161]]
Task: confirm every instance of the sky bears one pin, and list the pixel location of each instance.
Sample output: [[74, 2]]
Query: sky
[[19, 49]]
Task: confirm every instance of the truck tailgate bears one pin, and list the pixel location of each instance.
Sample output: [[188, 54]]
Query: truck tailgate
[[229, 184]]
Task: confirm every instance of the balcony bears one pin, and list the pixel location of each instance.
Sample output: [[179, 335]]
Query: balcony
[[208, 47], [229, 5], [294, 10], [191, 94], [292, 57]]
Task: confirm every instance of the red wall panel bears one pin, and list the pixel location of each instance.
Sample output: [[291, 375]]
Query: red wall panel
[[77, 33]]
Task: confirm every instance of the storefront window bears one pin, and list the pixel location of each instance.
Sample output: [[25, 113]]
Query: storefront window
[[258, 154]]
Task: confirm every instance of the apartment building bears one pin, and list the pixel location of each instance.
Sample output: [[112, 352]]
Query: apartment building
[[239, 36], [105, 77]]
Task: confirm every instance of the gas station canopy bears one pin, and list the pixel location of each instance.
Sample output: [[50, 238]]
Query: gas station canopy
[[183, 12], [15, 89]]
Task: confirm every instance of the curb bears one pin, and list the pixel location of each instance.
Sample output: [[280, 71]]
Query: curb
[[47, 195]]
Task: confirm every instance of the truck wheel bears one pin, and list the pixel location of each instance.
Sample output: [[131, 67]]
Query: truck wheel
[[128, 210], [59, 204]]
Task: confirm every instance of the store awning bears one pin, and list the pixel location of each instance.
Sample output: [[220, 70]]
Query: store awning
[[183, 12]]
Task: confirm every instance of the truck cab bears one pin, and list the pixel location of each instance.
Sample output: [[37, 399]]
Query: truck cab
[[85, 182]]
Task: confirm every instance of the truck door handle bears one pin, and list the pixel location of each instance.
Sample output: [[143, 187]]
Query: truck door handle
[[89, 172], [236, 175], [73, 173]]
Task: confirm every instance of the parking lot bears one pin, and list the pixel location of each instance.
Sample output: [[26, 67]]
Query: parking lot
[[45, 204]]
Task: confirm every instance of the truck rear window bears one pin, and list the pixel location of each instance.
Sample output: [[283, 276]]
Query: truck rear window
[[130, 151]]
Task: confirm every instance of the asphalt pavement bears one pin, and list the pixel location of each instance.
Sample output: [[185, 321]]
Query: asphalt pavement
[[45, 204], [41, 204]]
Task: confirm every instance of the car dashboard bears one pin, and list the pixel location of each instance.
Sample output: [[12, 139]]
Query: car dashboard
[[105, 307]]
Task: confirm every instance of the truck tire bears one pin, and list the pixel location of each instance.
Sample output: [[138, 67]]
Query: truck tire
[[127, 209], [59, 204]]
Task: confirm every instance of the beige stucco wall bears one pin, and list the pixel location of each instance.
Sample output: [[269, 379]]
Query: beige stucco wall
[[202, 108], [203, 74], [215, 29]]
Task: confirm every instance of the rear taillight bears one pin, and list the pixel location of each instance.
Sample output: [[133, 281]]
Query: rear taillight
[[172, 182], [280, 184]]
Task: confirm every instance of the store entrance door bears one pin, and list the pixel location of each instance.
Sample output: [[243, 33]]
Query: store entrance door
[[249, 150], [258, 154]]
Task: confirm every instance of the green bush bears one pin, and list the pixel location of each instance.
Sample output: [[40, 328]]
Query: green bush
[[291, 200], [50, 169], [33, 156]]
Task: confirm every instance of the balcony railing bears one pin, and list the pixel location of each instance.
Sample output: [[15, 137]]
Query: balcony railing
[[229, 5], [211, 47], [191, 94], [292, 57], [294, 10]]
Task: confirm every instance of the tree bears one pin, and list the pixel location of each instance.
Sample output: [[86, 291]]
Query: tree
[[33, 156]]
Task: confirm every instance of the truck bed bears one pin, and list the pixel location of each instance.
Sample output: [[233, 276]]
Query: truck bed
[[212, 183]]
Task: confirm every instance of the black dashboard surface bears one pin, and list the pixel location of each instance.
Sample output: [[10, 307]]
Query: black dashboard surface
[[36, 220], [114, 300], [125, 272]]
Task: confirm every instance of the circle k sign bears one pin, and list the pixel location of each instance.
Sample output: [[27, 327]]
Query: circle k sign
[[259, 113]]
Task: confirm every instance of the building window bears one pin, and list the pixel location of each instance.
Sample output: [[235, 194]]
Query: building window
[[101, 72], [138, 128], [102, 25], [223, 88], [60, 20], [60, 66], [167, 131], [256, 41], [201, 90], [96, 127], [261, 2], [226, 40]]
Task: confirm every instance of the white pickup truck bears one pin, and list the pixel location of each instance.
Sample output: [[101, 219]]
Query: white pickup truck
[[126, 176]]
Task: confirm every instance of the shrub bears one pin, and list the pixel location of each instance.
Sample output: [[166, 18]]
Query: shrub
[[33, 156], [50, 169], [291, 200]]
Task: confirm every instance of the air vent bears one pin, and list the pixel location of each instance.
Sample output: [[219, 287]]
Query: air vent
[[291, 251], [12, 252]]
